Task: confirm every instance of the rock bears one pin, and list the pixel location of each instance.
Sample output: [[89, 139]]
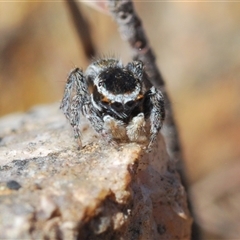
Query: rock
[[51, 190]]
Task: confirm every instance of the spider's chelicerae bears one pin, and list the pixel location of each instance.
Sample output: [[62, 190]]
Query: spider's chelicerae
[[115, 100]]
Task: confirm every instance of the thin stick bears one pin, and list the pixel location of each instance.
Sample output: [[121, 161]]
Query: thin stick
[[82, 28]]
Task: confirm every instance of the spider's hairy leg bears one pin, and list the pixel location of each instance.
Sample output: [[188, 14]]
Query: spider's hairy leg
[[75, 96], [157, 113], [74, 119], [94, 118]]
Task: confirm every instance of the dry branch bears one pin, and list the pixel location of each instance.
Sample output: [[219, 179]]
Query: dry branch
[[82, 28]]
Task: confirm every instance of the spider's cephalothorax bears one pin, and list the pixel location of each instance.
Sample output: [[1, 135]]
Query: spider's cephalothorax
[[115, 100]]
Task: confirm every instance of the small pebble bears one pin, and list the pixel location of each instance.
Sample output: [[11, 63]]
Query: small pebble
[[13, 185]]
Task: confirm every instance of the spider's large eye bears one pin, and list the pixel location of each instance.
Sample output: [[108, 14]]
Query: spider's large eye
[[130, 104], [117, 106]]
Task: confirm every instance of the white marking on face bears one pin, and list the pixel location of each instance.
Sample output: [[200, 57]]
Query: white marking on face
[[121, 98]]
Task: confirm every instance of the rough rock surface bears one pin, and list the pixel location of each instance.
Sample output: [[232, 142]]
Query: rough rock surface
[[51, 190]]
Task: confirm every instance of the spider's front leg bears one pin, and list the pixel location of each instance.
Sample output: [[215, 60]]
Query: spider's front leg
[[155, 102], [74, 98], [136, 129], [115, 129], [107, 127]]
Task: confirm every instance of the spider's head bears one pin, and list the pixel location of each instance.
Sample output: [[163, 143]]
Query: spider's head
[[119, 90]]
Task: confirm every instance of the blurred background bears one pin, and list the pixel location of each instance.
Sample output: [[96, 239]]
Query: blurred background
[[198, 51]]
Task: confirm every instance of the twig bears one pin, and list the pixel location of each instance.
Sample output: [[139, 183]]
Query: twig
[[131, 30], [82, 28]]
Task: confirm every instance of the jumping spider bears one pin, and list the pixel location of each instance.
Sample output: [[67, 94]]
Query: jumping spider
[[115, 100]]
